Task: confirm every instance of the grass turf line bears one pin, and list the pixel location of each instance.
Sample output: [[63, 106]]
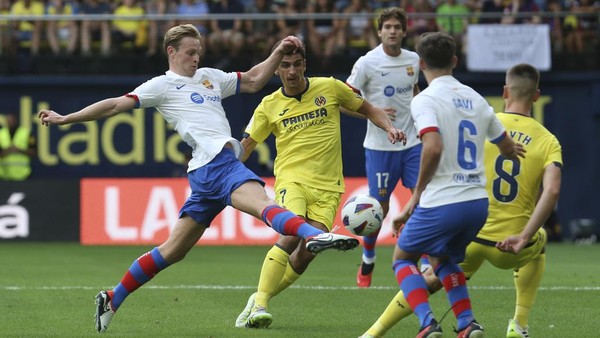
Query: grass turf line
[[47, 290]]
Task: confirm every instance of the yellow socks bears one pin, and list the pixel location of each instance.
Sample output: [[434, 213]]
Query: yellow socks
[[273, 270], [396, 310], [288, 279], [527, 281]]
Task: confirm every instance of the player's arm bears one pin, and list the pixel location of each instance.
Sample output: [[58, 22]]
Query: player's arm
[[430, 159], [549, 197], [390, 112], [249, 144], [551, 190], [352, 113], [258, 76], [381, 120], [101, 109], [431, 154], [510, 149]]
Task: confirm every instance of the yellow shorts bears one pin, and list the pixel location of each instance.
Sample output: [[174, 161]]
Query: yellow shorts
[[310, 203], [480, 250]]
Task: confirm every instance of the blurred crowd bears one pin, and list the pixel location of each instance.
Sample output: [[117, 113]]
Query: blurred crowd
[[575, 27]]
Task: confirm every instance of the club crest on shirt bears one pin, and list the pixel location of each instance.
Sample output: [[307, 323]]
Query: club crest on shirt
[[410, 71], [207, 84], [320, 101]]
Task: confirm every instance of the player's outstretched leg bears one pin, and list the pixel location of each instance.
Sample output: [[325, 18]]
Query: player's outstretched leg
[[140, 272], [326, 241], [287, 223]]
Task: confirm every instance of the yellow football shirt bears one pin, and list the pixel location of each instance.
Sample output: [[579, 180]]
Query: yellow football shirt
[[513, 188], [307, 132], [126, 25], [67, 9], [19, 8]]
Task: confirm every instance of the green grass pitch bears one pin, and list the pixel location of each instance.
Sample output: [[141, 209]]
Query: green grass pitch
[[47, 290]]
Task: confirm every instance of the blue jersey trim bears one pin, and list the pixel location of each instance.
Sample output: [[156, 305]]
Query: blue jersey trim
[[499, 138]]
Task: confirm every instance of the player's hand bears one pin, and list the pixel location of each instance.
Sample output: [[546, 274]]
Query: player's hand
[[513, 244], [390, 113], [289, 45], [48, 117], [520, 150], [396, 135], [397, 225], [399, 221]]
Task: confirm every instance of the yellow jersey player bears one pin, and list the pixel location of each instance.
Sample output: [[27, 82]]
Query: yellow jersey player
[[513, 237], [304, 117], [515, 220]]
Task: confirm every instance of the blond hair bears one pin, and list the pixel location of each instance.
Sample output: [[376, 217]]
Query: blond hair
[[175, 34]]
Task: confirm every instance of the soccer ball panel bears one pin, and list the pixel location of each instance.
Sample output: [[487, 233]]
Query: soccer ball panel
[[362, 215]]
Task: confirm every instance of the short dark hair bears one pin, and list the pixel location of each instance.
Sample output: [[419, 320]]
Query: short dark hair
[[437, 49], [523, 81], [300, 50], [393, 12]]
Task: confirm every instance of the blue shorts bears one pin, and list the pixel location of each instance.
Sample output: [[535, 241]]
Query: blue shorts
[[444, 231], [386, 168], [213, 184]]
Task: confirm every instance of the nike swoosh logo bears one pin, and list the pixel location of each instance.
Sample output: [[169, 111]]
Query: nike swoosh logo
[[179, 87], [384, 74], [283, 112]]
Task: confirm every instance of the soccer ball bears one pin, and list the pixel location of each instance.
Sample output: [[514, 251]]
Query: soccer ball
[[362, 215]]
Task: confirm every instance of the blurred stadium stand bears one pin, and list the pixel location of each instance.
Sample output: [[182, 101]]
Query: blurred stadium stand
[[68, 79], [574, 28]]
